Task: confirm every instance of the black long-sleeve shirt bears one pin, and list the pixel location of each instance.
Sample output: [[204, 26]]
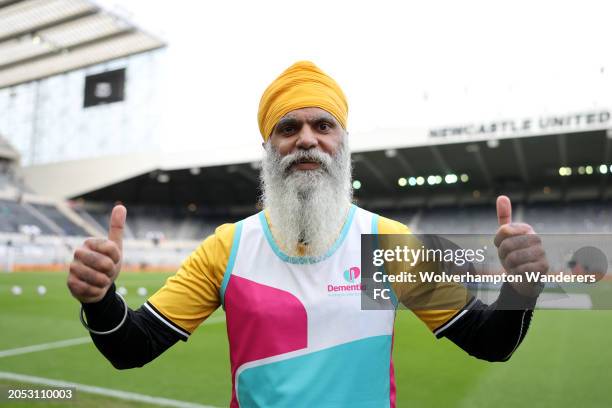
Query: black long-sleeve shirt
[[140, 339], [492, 332], [489, 332]]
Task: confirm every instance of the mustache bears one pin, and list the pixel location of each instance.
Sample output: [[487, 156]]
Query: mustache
[[323, 159]]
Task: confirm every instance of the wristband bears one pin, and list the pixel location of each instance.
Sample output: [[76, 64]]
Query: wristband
[[125, 306]]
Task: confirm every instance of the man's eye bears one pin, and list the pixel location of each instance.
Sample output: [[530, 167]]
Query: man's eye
[[324, 126]]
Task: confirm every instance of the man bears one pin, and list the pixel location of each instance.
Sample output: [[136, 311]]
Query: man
[[292, 343]]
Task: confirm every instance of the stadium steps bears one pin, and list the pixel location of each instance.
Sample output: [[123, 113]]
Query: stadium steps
[[75, 218], [90, 220], [43, 219], [13, 215], [102, 217], [51, 211]]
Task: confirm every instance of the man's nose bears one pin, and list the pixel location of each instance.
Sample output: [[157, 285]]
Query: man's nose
[[307, 139]]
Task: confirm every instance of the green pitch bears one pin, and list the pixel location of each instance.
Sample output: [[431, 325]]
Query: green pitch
[[564, 361]]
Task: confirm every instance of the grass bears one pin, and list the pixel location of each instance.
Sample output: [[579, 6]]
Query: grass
[[563, 362]]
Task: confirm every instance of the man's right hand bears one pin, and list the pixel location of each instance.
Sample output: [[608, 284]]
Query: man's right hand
[[97, 262]]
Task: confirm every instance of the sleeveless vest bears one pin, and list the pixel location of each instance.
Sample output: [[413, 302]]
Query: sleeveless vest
[[297, 334]]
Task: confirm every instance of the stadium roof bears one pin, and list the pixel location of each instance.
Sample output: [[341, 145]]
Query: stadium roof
[[40, 38], [568, 166]]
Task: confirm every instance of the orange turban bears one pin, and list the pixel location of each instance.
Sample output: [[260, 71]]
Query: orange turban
[[302, 85]]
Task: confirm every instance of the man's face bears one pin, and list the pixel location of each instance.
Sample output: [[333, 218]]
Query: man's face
[[306, 180], [305, 129]]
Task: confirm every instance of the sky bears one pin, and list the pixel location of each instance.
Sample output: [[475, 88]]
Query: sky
[[402, 65]]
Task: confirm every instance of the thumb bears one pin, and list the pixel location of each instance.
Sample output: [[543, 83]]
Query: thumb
[[117, 224], [504, 210]]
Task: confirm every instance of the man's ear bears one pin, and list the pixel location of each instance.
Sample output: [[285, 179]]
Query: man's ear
[[263, 145]]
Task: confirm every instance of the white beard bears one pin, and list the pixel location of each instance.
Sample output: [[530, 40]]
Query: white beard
[[306, 206]]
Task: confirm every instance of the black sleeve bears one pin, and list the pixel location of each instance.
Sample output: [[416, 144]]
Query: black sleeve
[[140, 339], [491, 332]]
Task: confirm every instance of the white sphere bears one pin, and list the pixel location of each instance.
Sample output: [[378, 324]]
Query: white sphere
[[122, 290], [16, 290], [142, 291], [41, 290]]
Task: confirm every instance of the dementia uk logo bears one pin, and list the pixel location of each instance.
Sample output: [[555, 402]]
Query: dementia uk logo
[[351, 274], [353, 286]]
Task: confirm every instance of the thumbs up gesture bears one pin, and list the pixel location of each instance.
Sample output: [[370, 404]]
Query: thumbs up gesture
[[97, 262], [520, 250]]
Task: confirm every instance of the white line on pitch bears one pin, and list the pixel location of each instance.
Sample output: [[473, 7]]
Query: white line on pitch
[[44, 346], [69, 342], [107, 392]]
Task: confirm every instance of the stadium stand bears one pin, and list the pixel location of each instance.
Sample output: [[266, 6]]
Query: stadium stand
[[161, 222], [24, 212], [174, 224], [590, 217], [64, 223], [100, 224], [464, 220], [15, 217], [168, 217], [546, 218]]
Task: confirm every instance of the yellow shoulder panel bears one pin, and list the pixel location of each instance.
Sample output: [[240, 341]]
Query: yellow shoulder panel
[[192, 294], [444, 294], [389, 226]]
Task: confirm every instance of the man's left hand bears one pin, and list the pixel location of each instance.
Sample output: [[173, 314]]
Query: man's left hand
[[519, 248]]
